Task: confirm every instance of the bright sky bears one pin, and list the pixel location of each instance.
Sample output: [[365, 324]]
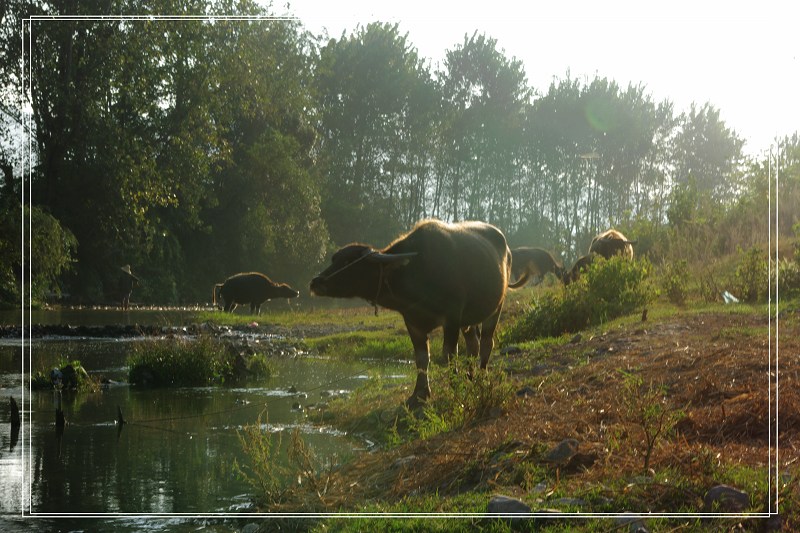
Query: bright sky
[[743, 59]]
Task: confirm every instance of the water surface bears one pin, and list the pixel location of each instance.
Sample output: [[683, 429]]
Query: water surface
[[176, 453]]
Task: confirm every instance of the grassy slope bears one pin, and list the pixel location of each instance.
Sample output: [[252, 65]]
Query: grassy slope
[[711, 360]]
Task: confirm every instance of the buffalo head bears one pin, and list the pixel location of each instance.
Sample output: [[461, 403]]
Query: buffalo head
[[355, 271]]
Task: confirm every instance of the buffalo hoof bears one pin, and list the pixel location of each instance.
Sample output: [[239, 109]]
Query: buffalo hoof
[[416, 403], [441, 360]]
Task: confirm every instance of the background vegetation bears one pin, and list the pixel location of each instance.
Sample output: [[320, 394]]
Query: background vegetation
[[193, 149]]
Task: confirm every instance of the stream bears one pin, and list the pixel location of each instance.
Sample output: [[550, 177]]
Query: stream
[[175, 456]]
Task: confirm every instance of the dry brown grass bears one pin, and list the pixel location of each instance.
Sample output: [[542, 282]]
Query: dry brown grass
[[714, 366]]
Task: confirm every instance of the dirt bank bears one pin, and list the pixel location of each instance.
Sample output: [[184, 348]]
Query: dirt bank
[[714, 366]]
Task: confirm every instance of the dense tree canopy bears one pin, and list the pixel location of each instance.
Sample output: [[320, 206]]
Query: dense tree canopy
[[195, 148]]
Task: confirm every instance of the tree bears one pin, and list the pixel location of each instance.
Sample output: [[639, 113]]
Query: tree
[[376, 104], [710, 152], [266, 210], [486, 95], [598, 154], [147, 131]]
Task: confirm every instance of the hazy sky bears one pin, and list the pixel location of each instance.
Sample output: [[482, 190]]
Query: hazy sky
[[743, 59]]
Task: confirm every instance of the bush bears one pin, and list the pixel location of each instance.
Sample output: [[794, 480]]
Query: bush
[[72, 376], [608, 289], [266, 475], [461, 397], [51, 254], [675, 281], [750, 283], [179, 363], [788, 278], [709, 283], [647, 407]]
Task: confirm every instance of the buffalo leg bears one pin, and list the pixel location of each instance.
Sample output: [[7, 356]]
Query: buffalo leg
[[487, 337], [449, 343], [422, 389], [471, 338]]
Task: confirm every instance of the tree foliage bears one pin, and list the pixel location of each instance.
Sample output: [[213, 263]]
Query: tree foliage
[[376, 102], [195, 148]]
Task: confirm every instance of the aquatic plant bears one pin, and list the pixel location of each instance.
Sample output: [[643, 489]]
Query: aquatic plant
[[68, 375], [179, 362], [264, 474]]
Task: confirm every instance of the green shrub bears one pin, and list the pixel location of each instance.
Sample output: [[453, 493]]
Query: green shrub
[[52, 252], [78, 379], [709, 283], [750, 280], [179, 363], [796, 229], [788, 273], [266, 475], [260, 365], [647, 407], [675, 281], [460, 398], [607, 290]]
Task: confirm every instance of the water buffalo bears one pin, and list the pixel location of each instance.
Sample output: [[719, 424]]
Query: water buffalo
[[575, 272], [438, 274], [612, 242], [250, 287], [534, 262]]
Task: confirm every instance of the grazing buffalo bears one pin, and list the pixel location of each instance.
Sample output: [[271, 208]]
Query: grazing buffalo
[[612, 242], [575, 272], [534, 262], [438, 274], [251, 288]]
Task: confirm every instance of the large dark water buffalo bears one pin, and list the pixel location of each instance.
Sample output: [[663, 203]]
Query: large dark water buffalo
[[251, 288], [438, 274]]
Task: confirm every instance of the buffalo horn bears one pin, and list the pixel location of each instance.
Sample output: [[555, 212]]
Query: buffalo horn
[[379, 257]]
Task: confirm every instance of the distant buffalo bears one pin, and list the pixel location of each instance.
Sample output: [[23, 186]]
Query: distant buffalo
[[534, 262], [607, 244], [251, 288], [610, 243], [581, 264], [438, 274]]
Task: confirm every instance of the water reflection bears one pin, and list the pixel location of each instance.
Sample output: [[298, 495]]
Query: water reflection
[[176, 451]]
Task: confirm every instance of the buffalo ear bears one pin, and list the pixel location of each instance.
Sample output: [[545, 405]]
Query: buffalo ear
[[396, 260]]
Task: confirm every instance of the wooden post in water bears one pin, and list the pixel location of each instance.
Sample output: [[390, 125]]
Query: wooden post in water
[[15, 418], [16, 423]]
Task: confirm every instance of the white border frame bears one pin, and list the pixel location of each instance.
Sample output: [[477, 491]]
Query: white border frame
[[27, 512]]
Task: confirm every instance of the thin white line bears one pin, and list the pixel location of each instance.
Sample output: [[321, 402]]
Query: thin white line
[[769, 321], [777, 326], [25, 182], [45, 18], [156, 17], [22, 236]]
